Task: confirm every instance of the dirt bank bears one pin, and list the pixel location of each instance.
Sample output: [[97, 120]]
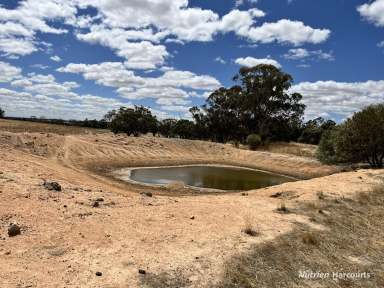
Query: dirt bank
[[65, 239]]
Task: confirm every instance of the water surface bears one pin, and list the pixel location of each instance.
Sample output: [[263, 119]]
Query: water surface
[[214, 177]]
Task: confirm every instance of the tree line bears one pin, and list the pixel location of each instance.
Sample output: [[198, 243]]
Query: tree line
[[257, 110]]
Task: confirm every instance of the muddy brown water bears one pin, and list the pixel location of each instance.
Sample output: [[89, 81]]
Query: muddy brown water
[[212, 177]]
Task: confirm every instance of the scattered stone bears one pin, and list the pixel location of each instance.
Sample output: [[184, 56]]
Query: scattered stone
[[148, 194], [96, 204], [14, 230], [277, 195], [99, 274], [51, 185], [142, 271]]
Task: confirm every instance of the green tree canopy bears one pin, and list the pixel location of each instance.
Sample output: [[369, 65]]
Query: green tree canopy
[[2, 113], [257, 104], [136, 121]]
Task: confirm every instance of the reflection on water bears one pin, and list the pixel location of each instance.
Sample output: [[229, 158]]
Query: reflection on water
[[216, 177]]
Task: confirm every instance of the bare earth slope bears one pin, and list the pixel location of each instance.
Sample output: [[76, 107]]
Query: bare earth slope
[[65, 240]]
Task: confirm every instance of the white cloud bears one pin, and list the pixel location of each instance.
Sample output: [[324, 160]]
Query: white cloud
[[302, 54], [173, 88], [286, 31], [373, 12], [340, 98], [8, 72], [220, 60], [380, 44], [241, 2], [18, 26], [250, 62], [55, 58]]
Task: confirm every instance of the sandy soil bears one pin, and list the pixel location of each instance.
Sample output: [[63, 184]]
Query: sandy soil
[[65, 240]]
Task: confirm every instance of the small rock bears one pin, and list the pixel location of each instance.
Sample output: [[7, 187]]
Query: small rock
[[192, 217], [51, 185], [148, 194], [142, 271], [8, 253], [99, 274], [14, 230], [100, 199], [96, 204]]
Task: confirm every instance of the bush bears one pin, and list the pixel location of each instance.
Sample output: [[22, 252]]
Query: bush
[[253, 141], [359, 139], [2, 113], [326, 152]]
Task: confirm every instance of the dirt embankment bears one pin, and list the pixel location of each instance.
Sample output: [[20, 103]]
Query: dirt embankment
[[65, 238]]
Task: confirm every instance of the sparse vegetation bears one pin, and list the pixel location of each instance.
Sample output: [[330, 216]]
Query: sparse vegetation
[[350, 243], [249, 228], [253, 141]]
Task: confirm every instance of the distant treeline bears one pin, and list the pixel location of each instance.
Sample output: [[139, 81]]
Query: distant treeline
[[99, 124], [259, 104]]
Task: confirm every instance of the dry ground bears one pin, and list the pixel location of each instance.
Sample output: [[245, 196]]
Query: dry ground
[[180, 241]]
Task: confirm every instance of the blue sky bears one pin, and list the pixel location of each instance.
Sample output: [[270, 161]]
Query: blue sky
[[76, 59]]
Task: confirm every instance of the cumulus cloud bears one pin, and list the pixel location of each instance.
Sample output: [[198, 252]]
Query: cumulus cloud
[[250, 61], [172, 88], [43, 95], [373, 12], [302, 54], [18, 26], [8, 72], [339, 98], [286, 31]]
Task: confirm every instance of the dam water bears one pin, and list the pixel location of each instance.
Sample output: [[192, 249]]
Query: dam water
[[213, 177]]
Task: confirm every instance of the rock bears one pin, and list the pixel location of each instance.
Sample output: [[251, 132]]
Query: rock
[[95, 204], [99, 274], [14, 230], [142, 271], [192, 217], [148, 194], [100, 199], [51, 185]]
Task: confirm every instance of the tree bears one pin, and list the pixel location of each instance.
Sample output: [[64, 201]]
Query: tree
[[167, 127], [359, 139], [185, 129], [2, 113], [314, 129], [265, 98], [259, 104], [136, 121]]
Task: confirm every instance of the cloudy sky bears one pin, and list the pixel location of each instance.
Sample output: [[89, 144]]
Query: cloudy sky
[[80, 58]]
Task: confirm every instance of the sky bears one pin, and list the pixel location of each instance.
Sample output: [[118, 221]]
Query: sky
[[76, 59]]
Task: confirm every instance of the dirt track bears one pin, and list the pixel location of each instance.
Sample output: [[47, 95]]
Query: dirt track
[[65, 240]]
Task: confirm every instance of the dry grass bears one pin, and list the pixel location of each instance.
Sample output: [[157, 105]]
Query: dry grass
[[250, 228], [16, 126], [352, 241], [292, 148]]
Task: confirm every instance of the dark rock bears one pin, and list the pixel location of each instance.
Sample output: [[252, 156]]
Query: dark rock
[[51, 185], [95, 204], [142, 271], [99, 274], [148, 194], [192, 217], [14, 230], [100, 199]]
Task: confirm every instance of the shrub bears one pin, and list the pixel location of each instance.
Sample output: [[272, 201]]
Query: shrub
[[2, 113], [253, 141], [359, 139], [326, 152]]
